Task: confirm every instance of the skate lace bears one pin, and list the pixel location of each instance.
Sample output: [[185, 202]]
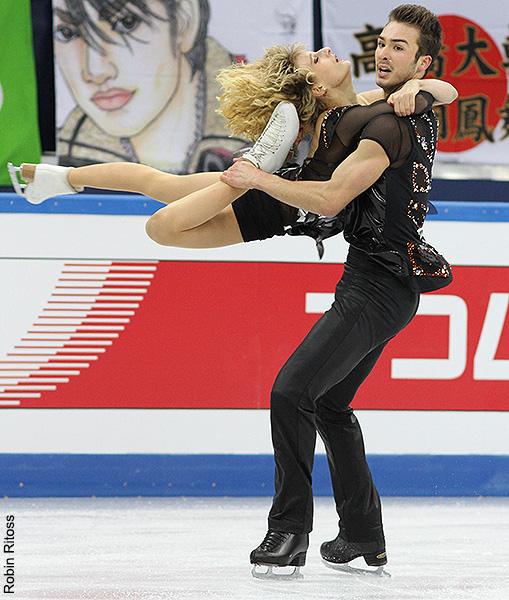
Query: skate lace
[[270, 139], [272, 540]]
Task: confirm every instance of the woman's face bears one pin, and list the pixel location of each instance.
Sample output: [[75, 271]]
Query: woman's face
[[124, 84], [328, 70]]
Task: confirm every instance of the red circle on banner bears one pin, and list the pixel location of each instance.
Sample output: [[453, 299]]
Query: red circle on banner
[[472, 62]]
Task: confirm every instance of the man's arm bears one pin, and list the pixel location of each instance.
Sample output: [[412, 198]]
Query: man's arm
[[352, 177]]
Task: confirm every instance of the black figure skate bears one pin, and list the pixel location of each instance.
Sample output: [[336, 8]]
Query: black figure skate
[[337, 553], [280, 549]]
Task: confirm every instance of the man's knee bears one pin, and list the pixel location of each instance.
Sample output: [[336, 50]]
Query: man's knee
[[334, 414]]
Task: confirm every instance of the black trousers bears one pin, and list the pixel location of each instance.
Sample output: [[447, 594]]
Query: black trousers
[[313, 391]]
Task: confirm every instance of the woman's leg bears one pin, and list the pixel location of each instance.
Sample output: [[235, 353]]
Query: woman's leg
[[202, 219], [123, 176], [198, 212], [132, 177]]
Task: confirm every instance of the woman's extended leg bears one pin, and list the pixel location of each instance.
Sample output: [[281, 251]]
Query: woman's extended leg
[[45, 181], [198, 212], [132, 177]]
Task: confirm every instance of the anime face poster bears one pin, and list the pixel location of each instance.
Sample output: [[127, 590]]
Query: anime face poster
[[136, 79]]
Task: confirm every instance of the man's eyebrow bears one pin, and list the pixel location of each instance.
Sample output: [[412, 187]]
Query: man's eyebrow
[[381, 37]]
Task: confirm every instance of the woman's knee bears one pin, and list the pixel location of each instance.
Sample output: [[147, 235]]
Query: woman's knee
[[161, 229]]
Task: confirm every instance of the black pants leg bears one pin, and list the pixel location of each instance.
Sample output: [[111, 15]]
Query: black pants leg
[[313, 391], [357, 500]]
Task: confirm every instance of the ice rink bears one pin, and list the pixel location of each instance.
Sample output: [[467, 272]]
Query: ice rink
[[193, 549]]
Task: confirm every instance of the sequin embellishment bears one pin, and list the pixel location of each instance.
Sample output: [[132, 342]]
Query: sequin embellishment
[[428, 147], [426, 261], [421, 181], [417, 212], [325, 130]]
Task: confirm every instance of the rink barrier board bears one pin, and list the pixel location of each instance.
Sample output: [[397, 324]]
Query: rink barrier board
[[485, 206], [68, 475], [218, 475]]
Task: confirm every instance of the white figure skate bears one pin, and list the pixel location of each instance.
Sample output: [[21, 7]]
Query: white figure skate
[[42, 181], [274, 144]]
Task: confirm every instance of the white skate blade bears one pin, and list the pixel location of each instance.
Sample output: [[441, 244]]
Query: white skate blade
[[347, 568], [19, 187], [281, 573]]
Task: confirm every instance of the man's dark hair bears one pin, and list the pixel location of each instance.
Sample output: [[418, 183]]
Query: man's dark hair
[[430, 30]]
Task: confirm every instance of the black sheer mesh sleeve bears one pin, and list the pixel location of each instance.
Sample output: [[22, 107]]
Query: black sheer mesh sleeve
[[392, 134], [423, 102], [341, 130]]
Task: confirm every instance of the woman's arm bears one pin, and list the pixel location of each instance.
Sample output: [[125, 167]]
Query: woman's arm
[[365, 98], [442, 91], [403, 99]]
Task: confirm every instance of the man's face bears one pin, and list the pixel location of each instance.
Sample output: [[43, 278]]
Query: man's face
[[395, 56]]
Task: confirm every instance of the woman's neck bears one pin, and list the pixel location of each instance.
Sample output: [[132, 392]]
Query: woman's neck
[[339, 97]]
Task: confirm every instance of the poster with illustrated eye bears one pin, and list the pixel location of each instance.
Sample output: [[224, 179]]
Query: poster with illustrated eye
[[136, 80], [474, 58]]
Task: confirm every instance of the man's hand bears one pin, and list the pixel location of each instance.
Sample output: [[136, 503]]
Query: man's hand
[[403, 99], [242, 174]]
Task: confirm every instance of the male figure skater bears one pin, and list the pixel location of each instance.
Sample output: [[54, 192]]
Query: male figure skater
[[383, 185]]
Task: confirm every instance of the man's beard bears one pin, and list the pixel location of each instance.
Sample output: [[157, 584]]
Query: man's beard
[[391, 87]]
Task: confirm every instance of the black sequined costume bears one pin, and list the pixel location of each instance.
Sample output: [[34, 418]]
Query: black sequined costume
[[385, 221], [388, 265]]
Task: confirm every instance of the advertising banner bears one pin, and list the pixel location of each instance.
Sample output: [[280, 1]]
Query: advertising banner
[[19, 129], [208, 335], [474, 58]]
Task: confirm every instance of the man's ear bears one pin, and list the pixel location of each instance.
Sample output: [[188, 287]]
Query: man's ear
[[188, 16], [423, 62]]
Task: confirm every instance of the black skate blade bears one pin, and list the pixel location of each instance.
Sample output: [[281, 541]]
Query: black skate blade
[[281, 573], [347, 568]]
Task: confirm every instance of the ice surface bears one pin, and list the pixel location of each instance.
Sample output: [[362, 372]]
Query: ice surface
[[194, 549]]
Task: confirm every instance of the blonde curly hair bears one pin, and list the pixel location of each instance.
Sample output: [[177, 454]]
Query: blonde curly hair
[[252, 90]]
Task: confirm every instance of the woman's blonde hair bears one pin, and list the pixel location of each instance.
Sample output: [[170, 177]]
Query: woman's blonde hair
[[252, 90]]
